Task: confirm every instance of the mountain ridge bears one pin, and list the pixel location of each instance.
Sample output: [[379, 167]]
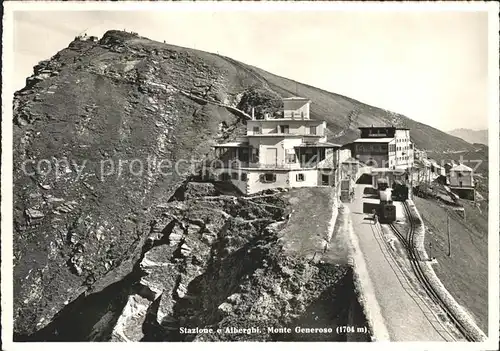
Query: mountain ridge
[[99, 108], [472, 136]]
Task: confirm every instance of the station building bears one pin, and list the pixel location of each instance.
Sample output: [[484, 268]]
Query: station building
[[384, 147], [461, 181], [286, 152]]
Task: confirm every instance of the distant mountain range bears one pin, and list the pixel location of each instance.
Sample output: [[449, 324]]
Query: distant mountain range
[[471, 136]]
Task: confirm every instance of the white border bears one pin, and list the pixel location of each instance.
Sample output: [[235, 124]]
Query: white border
[[493, 244]]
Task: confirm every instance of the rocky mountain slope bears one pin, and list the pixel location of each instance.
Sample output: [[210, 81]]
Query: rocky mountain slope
[[215, 261], [108, 130], [471, 136]]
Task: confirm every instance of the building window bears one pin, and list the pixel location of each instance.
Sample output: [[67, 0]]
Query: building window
[[284, 129], [312, 130], [325, 179], [290, 156], [268, 178], [244, 177], [256, 130], [234, 175], [300, 177], [225, 176]]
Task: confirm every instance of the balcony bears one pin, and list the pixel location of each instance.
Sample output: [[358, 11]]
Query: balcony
[[291, 133], [235, 164]]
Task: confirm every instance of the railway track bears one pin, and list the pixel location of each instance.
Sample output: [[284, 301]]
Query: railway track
[[408, 243]]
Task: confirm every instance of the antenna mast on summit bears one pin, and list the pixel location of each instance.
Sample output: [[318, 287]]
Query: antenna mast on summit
[[83, 31]]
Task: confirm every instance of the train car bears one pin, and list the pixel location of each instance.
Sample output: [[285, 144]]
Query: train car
[[400, 191], [387, 213], [381, 184], [385, 196]]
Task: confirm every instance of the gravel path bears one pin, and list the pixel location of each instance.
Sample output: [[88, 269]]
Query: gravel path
[[406, 318]]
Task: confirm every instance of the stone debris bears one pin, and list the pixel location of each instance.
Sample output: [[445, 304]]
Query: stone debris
[[73, 238], [234, 298], [67, 207], [185, 250], [34, 214], [208, 237], [130, 323], [225, 307], [76, 262], [181, 290], [176, 236], [160, 275], [50, 199], [166, 308], [193, 229]]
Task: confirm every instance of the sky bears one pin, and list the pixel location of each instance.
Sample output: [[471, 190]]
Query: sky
[[429, 66]]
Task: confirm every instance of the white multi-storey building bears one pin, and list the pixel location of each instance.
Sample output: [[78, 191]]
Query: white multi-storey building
[[384, 147], [279, 152]]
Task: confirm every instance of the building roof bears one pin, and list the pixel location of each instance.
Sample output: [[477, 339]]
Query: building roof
[[232, 144], [324, 144], [374, 140], [461, 168], [286, 120], [419, 163], [398, 170], [383, 127], [433, 162], [426, 162], [351, 160], [381, 170], [298, 98]]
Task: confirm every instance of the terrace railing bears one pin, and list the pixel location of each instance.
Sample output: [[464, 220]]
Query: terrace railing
[[236, 164]]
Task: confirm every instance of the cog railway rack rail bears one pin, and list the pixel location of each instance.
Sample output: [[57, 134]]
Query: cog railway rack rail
[[408, 243]]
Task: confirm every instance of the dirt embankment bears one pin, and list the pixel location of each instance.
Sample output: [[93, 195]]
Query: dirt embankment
[[216, 262], [462, 263]]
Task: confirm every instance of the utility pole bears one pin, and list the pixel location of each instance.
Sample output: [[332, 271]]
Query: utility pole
[[448, 230], [430, 251], [410, 193]]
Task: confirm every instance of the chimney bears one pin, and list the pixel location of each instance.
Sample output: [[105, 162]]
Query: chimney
[[253, 113]]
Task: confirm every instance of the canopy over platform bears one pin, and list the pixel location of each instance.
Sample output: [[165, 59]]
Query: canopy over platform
[[351, 160], [397, 170], [461, 168]]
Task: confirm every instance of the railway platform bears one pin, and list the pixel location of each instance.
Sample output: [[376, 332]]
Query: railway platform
[[406, 316]]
